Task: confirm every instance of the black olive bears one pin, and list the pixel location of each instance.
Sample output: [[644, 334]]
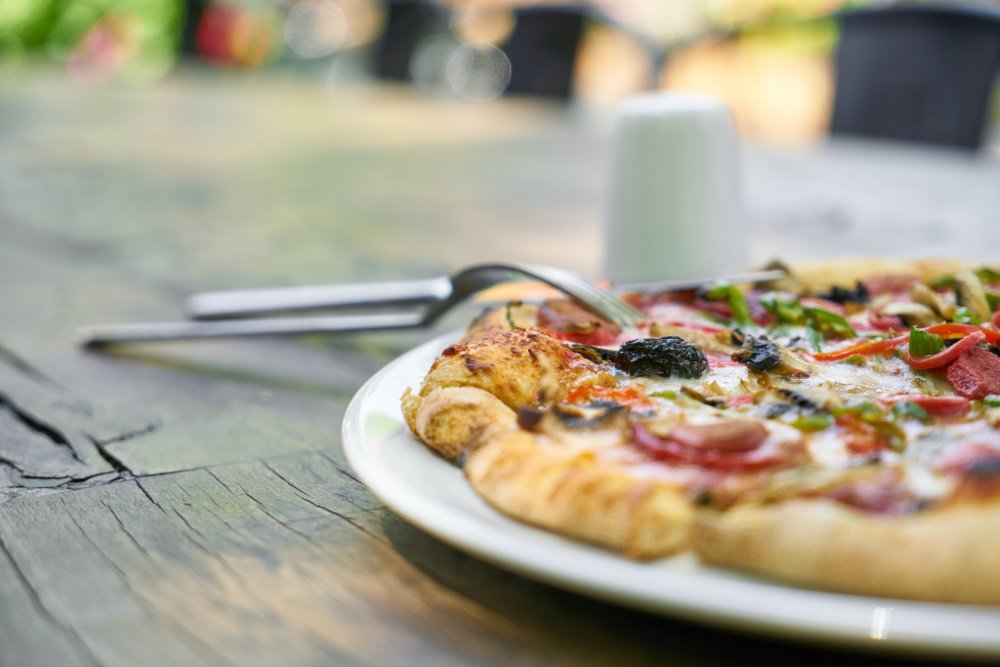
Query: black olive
[[985, 468], [844, 295], [776, 410], [759, 354], [670, 356], [529, 418], [798, 400]]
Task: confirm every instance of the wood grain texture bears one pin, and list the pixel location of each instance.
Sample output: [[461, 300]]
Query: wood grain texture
[[291, 561]]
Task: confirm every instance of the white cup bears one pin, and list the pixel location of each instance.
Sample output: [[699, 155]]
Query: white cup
[[674, 209]]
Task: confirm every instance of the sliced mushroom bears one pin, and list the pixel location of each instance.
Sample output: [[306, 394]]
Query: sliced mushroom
[[924, 295], [791, 365], [789, 283], [971, 295], [706, 341], [913, 314]]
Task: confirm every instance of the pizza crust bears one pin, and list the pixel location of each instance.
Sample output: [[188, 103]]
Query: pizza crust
[[474, 390], [821, 275], [571, 492], [946, 555]]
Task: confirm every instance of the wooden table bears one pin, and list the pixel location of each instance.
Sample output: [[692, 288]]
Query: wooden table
[[190, 503]]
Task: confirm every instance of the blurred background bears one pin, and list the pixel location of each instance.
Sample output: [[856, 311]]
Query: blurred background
[[778, 64], [204, 144]]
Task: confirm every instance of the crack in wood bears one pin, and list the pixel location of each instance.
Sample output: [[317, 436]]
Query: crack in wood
[[20, 484], [306, 497], [64, 629], [122, 576], [24, 367], [276, 519], [152, 427], [219, 480], [138, 483], [186, 522], [283, 478], [35, 424], [127, 532], [341, 469], [112, 460]]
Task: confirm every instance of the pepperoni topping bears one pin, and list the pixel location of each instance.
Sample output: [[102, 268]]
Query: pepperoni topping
[[881, 494], [861, 437], [880, 322], [697, 326], [736, 445], [939, 406], [968, 459], [889, 284], [720, 361], [567, 320], [825, 304], [975, 373], [739, 399], [728, 436]]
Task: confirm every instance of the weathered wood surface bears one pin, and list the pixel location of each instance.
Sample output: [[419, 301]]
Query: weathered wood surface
[[189, 504]]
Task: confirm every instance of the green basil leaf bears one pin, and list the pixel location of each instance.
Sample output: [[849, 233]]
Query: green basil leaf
[[816, 338], [923, 344], [829, 323], [509, 317], [784, 311], [666, 393], [901, 409], [993, 299], [866, 411], [856, 360], [987, 274], [813, 423], [737, 302], [965, 316], [992, 401]]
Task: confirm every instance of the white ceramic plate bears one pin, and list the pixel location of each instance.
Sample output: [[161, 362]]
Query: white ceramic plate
[[433, 495]]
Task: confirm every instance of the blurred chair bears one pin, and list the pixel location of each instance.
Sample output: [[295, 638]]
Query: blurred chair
[[542, 50], [408, 22], [193, 12], [916, 73]]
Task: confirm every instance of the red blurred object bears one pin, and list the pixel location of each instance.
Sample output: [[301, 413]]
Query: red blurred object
[[231, 36]]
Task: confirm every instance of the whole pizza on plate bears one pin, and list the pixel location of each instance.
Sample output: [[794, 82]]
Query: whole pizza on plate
[[838, 428]]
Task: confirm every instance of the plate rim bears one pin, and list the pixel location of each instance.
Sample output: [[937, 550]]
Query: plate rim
[[450, 526]]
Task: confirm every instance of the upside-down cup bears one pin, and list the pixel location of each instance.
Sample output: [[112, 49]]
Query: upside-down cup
[[675, 207]]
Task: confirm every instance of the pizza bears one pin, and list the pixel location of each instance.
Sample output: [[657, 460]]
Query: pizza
[[838, 428]]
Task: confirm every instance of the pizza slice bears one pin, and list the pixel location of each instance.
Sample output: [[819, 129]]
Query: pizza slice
[[837, 432]]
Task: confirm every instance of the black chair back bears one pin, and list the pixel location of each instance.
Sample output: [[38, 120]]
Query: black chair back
[[916, 73], [542, 50]]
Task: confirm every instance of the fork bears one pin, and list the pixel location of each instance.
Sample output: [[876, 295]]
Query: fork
[[448, 292]]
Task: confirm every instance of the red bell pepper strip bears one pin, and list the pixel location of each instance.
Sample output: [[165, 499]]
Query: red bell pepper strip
[[947, 355], [946, 330], [954, 329], [864, 348]]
